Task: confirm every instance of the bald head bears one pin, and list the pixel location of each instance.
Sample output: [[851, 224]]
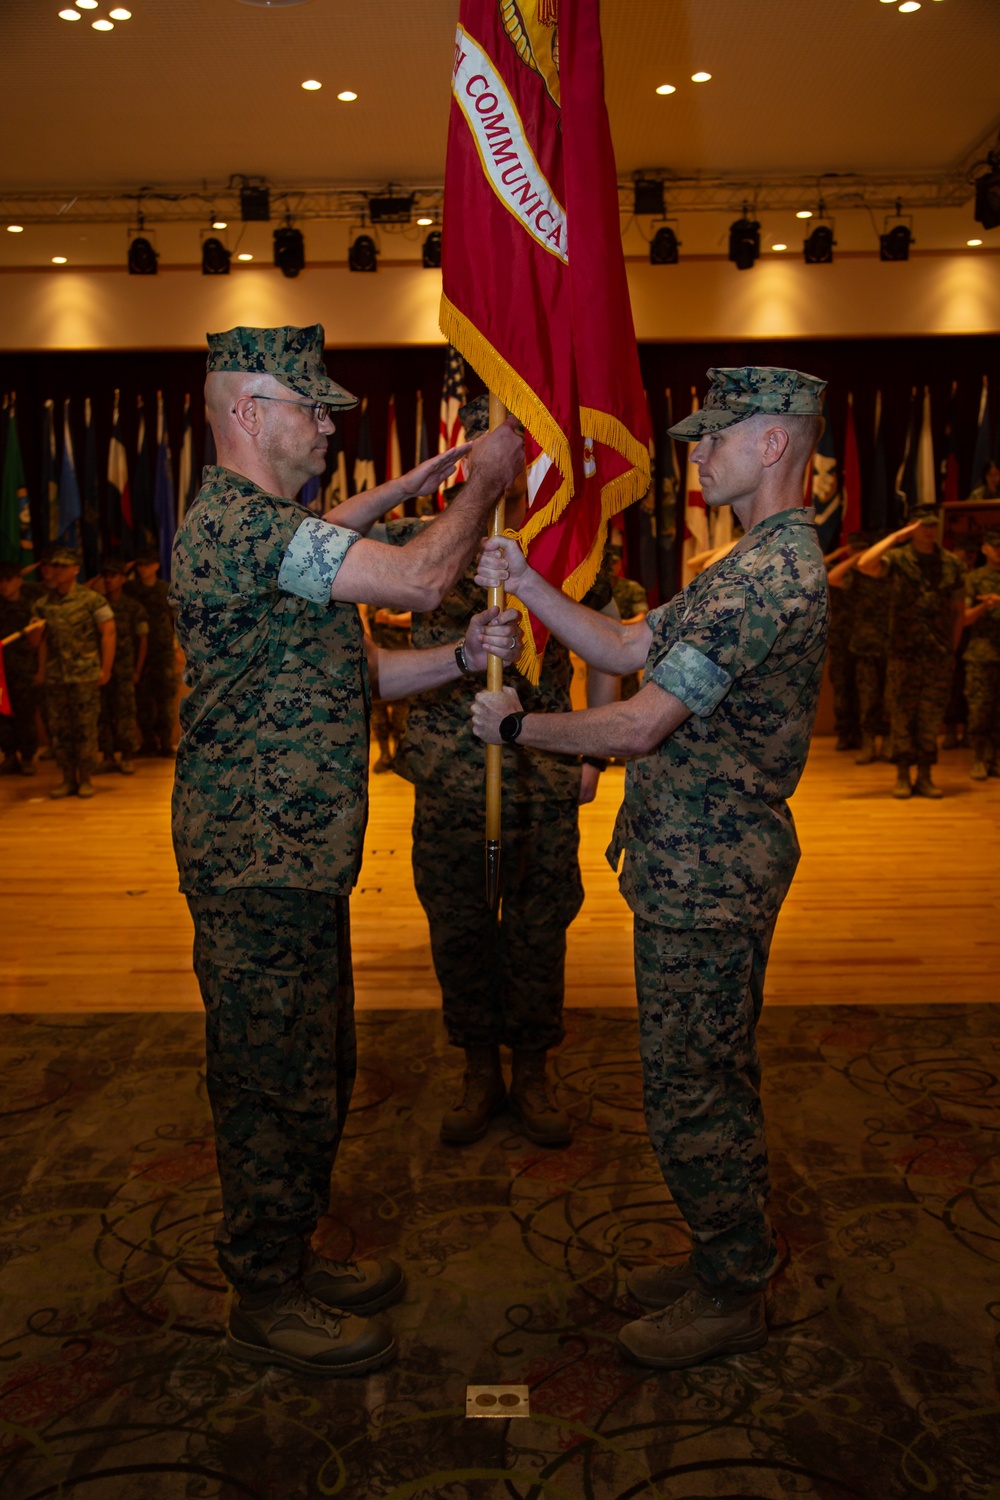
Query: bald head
[[265, 431]]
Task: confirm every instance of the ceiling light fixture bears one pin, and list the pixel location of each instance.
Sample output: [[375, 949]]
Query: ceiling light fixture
[[69, 15], [219, 223], [425, 222], [895, 243], [817, 247], [430, 253], [58, 260], [347, 96], [312, 84], [804, 213], [779, 247], [363, 254], [103, 25], [664, 246], [701, 77], [15, 228], [86, 4], [908, 7], [142, 257], [215, 257], [289, 250], [744, 241], [987, 210], [973, 243], [666, 88], [244, 255], [120, 14]]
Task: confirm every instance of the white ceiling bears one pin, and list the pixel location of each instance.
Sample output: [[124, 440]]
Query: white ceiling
[[195, 90]]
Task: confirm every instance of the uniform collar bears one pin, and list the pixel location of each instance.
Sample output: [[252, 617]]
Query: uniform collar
[[798, 515], [216, 474]]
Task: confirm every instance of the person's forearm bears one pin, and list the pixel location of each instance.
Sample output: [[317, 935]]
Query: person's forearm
[[360, 512], [400, 674], [603, 643], [440, 553], [140, 655], [870, 562], [621, 730], [839, 572], [602, 687], [959, 624], [108, 639]]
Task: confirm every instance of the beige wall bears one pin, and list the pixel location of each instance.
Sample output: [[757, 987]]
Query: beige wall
[[700, 299]]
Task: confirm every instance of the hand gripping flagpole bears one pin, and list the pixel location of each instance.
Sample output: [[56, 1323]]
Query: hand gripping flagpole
[[494, 682]]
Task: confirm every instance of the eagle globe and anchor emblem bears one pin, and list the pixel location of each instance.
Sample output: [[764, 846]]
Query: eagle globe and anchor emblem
[[533, 28]]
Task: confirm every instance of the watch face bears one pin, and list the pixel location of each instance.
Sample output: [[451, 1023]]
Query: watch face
[[510, 728]]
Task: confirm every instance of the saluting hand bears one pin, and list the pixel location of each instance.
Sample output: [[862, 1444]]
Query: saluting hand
[[493, 633], [428, 477], [487, 711]]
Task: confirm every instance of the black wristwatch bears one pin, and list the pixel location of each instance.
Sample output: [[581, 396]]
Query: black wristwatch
[[463, 665], [510, 727]]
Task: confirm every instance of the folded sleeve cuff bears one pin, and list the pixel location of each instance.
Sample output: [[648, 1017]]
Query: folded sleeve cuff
[[694, 679], [313, 558]]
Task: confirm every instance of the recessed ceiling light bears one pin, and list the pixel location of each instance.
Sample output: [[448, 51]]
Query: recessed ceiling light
[[804, 213], [347, 97], [908, 6], [86, 4], [69, 15], [700, 77], [103, 25], [15, 228], [219, 224], [244, 255], [666, 88], [425, 222], [120, 14], [779, 247], [58, 260], [312, 84], [973, 242]]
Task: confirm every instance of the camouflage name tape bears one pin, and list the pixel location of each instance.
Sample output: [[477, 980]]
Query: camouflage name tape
[[292, 355], [748, 390]]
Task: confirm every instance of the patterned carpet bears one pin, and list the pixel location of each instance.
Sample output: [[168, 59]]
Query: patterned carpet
[[879, 1380]]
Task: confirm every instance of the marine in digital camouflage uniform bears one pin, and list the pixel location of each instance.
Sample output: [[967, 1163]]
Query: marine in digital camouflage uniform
[[269, 811], [982, 659], [119, 726], [18, 731], [76, 657], [156, 689], [925, 612], [502, 972], [869, 600], [718, 735]]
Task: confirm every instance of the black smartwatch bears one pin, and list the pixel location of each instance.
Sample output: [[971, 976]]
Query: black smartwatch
[[510, 727], [463, 665]]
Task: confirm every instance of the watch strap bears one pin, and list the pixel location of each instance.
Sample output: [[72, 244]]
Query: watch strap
[[510, 727], [463, 665]]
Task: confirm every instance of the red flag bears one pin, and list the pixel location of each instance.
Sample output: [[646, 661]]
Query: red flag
[[852, 476], [6, 707], [535, 294]]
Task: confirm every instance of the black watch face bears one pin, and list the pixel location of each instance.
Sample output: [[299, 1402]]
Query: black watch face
[[510, 728]]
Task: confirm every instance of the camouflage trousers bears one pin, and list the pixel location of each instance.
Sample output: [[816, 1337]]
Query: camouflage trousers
[[155, 694], [845, 691], [700, 995], [119, 727], [274, 968], [869, 672], [501, 973], [18, 729], [73, 710], [916, 690], [982, 692]]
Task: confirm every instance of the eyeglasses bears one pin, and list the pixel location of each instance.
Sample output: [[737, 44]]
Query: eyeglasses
[[321, 410]]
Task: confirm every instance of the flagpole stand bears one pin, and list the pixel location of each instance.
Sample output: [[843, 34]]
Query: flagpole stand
[[494, 682]]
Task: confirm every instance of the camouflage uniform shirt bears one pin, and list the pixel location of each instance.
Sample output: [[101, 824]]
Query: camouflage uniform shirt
[[870, 600], [707, 834], [921, 610], [984, 635], [73, 639], [131, 624], [155, 601], [271, 777], [439, 747]]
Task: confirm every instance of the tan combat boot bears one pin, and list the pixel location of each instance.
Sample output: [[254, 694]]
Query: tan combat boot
[[294, 1330], [867, 751], [86, 787], [980, 760], [483, 1096], [902, 787], [658, 1286], [541, 1120], [702, 1324], [924, 786]]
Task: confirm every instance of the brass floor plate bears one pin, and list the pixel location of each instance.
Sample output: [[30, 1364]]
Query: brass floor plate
[[497, 1401]]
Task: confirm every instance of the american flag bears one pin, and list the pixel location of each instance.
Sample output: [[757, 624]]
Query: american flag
[[453, 398]]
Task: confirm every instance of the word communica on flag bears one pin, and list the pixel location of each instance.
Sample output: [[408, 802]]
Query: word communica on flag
[[535, 293]]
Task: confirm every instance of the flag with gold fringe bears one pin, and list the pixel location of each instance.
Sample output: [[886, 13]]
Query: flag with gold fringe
[[535, 293]]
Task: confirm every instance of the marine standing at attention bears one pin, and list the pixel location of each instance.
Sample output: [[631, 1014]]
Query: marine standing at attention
[[269, 811], [717, 738]]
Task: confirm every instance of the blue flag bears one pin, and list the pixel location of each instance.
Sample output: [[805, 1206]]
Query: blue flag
[[163, 491], [69, 489]]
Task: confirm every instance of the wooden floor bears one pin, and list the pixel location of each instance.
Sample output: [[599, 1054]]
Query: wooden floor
[[893, 902]]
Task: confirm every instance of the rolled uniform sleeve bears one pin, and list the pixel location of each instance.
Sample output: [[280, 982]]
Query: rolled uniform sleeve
[[313, 557], [103, 613], [730, 634]]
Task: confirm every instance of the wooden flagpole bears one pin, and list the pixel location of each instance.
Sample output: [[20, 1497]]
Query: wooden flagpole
[[494, 682]]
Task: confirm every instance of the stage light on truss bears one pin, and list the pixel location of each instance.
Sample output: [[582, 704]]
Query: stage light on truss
[[895, 243], [363, 254], [744, 242], [430, 253], [289, 250], [664, 247], [987, 210], [142, 256], [215, 257], [817, 247]]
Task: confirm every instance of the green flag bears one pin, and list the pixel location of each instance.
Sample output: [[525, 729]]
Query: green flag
[[15, 513]]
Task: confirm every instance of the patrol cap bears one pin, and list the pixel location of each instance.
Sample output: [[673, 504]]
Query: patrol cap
[[928, 515], [64, 557], [475, 416], [748, 390], [292, 355], [114, 565], [147, 555], [992, 536]]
